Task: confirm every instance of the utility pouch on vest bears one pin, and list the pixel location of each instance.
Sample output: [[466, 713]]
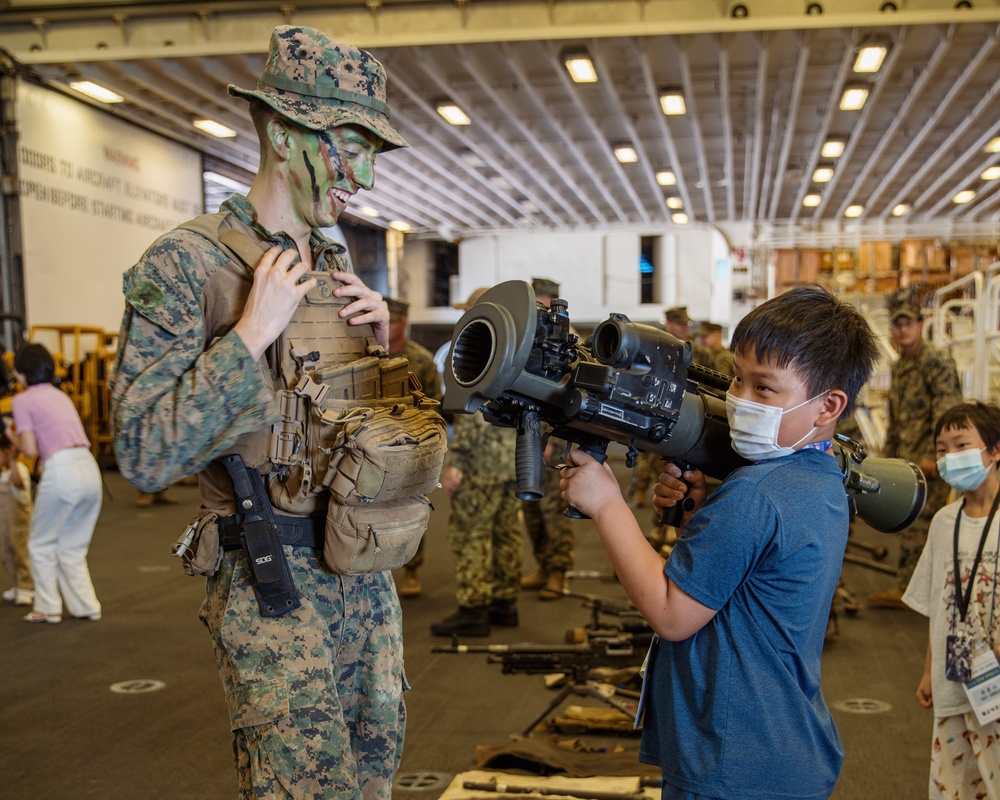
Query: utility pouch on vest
[[199, 548], [259, 540], [372, 538], [381, 453]]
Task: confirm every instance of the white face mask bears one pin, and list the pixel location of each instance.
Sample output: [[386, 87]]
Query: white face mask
[[754, 427]]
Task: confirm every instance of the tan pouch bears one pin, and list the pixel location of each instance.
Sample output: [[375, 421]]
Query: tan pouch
[[361, 539], [380, 454], [198, 548]]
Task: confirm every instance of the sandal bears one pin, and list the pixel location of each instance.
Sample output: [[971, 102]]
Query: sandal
[[38, 616]]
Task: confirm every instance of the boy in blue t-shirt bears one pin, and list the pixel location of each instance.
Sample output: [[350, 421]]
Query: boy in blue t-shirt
[[733, 702]]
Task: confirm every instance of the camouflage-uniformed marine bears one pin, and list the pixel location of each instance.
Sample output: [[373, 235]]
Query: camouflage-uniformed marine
[[422, 365], [548, 529], [708, 349], [421, 359], [923, 384], [676, 322], [550, 535], [315, 695], [485, 533]]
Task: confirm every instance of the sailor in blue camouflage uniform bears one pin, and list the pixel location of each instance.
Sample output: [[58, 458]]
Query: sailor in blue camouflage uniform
[[315, 695]]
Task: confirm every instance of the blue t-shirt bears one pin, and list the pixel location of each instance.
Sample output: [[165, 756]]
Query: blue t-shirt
[[735, 711]]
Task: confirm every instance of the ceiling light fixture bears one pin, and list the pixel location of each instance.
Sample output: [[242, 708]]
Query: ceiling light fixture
[[666, 178], [672, 101], [96, 92], [823, 174], [870, 58], [213, 128], [675, 202], [963, 197], [901, 209], [579, 66], [452, 114], [991, 174], [854, 97], [832, 148], [680, 218], [812, 200], [854, 211], [369, 211], [993, 146], [400, 225], [626, 154]]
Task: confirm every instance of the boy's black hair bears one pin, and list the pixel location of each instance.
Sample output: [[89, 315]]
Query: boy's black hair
[[984, 417], [828, 342], [35, 363], [5, 443]]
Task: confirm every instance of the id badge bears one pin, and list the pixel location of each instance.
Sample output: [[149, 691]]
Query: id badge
[[647, 663], [958, 658], [983, 688]]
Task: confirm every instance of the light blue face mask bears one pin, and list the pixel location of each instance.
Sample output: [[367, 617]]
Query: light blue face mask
[[963, 471]]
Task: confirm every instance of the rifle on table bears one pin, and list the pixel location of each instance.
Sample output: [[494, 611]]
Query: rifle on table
[[574, 660], [629, 622]]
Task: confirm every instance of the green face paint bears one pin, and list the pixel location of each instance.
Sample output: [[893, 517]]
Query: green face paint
[[330, 168]]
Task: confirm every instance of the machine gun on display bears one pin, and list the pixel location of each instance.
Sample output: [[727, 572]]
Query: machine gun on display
[[518, 363], [627, 620], [574, 660]]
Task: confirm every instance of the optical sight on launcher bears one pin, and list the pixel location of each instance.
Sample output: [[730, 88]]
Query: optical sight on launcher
[[520, 365]]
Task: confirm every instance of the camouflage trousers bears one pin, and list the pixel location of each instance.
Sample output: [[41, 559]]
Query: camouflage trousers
[[486, 538], [647, 470], [315, 696], [549, 531], [912, 540]]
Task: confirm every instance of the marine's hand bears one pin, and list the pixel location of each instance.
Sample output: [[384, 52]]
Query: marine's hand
[[367, 305], [451, 479], [589, 485], [273, 298], [673, 486]]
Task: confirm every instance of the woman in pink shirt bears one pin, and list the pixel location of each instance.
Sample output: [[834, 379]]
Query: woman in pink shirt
[[69, 494]]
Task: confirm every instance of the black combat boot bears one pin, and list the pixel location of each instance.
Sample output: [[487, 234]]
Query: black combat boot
[[503, 613], [464, 622]]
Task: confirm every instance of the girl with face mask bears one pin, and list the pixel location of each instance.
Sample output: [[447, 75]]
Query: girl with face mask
[[955, 585]]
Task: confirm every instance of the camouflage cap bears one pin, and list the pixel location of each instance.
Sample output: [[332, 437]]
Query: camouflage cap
[[398, 309], [321, 84], [545, 287], [906, 310], [473, 299], [709, 328], [678, 314]]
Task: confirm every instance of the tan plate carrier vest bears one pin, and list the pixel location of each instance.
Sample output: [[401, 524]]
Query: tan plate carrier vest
[[357, 439]]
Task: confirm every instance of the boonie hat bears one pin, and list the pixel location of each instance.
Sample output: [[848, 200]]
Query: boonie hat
[[321, 84], [546, 287], [678, 314], [473, 298]]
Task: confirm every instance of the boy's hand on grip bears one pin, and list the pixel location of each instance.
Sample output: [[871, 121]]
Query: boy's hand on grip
[[674, 486]]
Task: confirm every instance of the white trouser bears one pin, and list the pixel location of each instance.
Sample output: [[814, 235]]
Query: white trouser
[[66, 508]]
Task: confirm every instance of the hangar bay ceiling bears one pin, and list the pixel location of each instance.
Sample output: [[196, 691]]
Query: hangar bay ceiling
[[762, 93]]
